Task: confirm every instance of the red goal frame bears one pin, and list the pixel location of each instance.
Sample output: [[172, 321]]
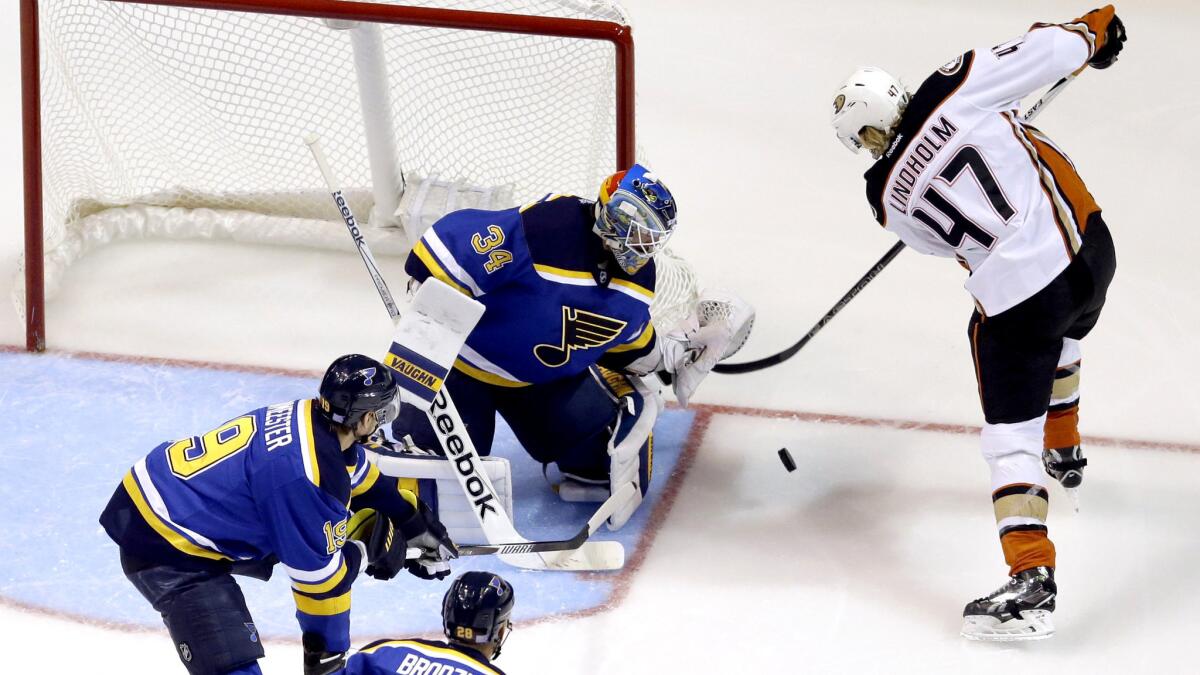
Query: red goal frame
[[619, 35]]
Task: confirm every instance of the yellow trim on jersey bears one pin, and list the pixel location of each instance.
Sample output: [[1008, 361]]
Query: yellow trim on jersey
[[407, 487], [640, 343], [306, 420], [633, 287], [484, 376], [326, 607], [548, 198], [174, 538], [367, 482], [436, 269], [562, 272], [324, 586], [421, 646]]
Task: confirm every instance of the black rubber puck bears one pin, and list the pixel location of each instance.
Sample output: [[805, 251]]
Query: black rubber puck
[[786, 458]]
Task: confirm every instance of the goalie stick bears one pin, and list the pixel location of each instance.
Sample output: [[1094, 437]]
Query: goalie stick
[[449, 427], [606, 509], [779, 357]]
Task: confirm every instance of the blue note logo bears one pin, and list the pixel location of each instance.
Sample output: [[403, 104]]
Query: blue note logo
[[580, 330], [253, 632], [369, 376]]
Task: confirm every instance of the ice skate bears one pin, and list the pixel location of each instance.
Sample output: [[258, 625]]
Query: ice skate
[[1019, 610], [1065, 465]]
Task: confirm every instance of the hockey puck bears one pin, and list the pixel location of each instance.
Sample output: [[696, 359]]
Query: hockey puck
[[786, 458]]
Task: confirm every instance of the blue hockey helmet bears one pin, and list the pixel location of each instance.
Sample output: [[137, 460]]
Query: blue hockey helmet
[[635, 216], [355, 385], [477, 609]]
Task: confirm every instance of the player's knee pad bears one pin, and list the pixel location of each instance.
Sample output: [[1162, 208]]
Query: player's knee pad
[[1014, 452], [212, 629]]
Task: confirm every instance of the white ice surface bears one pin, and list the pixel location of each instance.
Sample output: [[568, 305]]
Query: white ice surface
[[861, 560]]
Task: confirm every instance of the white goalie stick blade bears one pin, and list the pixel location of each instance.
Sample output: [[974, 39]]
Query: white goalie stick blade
[[576, 553]]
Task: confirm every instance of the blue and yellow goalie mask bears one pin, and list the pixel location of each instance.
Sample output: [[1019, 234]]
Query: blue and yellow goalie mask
[[636, 216]]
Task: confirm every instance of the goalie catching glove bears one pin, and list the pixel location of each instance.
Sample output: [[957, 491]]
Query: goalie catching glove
[[715, 330]]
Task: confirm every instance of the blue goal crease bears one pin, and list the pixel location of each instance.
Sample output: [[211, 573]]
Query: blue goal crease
[[84, 422]]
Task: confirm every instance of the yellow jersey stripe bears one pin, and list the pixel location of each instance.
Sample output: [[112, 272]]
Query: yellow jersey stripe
[[639, 343], [407, 487], [640, 290], [446, 652], [173, 538], [324, 586], [309, 443], [327, 607], [436, 269], [484, 376], [562, 272], [367, 483]]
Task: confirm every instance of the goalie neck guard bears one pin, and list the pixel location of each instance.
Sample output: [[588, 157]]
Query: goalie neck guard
[[477, 608], [355, 385]]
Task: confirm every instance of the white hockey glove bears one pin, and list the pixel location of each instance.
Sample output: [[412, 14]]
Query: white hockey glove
[[719, 327]]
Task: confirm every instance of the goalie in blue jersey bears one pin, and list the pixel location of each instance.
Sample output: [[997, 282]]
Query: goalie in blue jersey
[[565, 337], [275, 485]]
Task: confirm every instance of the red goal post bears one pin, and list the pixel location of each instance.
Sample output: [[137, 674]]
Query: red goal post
[[69, 204]]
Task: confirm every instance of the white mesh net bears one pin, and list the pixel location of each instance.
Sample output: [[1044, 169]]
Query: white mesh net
[[201, 109], [182, 123]]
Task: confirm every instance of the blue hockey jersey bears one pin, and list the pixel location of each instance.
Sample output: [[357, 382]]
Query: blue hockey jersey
[[272, 485], [556, 301], [417, 657]]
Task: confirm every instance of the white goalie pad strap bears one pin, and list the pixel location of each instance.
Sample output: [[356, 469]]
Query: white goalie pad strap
[[624, 465], [454, 509], [428, 338]]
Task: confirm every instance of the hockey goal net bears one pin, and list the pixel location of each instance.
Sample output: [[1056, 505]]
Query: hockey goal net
[[185, 118]]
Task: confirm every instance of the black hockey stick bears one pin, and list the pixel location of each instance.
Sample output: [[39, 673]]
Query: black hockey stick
[[776, 359]]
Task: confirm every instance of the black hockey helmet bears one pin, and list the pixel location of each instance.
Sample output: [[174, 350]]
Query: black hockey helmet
[[355, 385], [477, 608]]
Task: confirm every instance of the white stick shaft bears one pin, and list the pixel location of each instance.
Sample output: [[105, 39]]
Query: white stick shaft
[[364, 251], [1051, 94]]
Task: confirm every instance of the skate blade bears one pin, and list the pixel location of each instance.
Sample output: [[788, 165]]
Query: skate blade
[[1034, 624], [1073, 495]]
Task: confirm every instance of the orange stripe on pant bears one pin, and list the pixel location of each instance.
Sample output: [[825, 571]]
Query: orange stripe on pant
[[1024, 549]]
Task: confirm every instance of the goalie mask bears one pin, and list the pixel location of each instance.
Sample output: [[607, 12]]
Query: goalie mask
[[477, 610], [635, 216], [355, 385]]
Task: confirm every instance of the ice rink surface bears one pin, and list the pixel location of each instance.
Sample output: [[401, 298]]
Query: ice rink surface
[[862, 559]]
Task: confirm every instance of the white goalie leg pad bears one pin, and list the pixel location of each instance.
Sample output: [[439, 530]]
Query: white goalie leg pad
[[624, 453], [454, 508]]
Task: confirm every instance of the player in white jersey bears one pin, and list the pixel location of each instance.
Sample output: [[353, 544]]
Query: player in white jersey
[[959, 174]]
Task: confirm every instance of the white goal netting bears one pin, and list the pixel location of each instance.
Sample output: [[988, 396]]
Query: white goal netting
[[162, 121]]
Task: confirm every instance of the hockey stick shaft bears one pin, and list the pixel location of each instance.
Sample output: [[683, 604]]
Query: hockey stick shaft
[[364, 251], [775, 359]]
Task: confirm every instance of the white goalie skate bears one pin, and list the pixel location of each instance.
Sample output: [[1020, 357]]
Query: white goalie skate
[[1019, 610]]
